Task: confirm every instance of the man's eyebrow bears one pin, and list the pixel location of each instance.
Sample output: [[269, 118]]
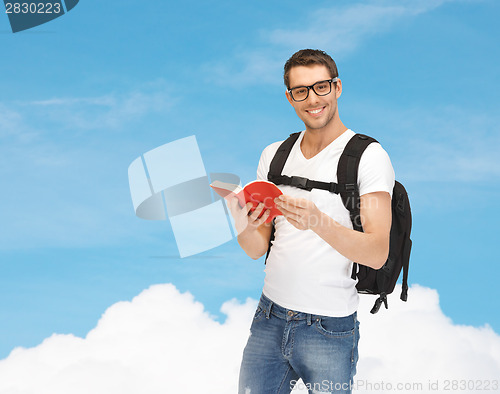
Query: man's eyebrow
[[305, 86]]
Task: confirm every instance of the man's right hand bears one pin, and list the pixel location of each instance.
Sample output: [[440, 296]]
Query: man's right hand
[[244, 218], [253, 231]]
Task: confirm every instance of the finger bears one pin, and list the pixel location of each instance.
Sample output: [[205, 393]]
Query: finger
[[287, 209], [284, 204], [264, 217], [248, 208], [294, 217], [232, 203], [233, 208], [235, 203], [237, 211], [294, 223], [257, 211], [287, 213], [293, 202]]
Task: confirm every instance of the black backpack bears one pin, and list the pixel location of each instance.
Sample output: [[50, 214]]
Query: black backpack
[[370, 281]]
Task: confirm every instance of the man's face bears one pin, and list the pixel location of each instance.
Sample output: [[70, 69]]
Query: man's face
[[316, 111]]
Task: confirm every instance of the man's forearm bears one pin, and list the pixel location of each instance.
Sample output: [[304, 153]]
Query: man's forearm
[[363, 248], [254, 243], [369, 248], [253, 231]]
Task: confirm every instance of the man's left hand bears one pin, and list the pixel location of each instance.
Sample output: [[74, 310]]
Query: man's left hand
[[300, 212]]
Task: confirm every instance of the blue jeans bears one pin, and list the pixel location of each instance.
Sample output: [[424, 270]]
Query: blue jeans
[[286, 345]]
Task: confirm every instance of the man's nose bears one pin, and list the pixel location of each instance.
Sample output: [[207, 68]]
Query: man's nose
[[313, 97]]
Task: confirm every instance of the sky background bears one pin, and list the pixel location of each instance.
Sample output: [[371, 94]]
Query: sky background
[[83, 96]]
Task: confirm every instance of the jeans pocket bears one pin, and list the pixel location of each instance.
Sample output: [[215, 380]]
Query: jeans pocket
[[336, 326], [259, 314]]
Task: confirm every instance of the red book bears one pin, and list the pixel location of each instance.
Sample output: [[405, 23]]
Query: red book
[[255, 192]]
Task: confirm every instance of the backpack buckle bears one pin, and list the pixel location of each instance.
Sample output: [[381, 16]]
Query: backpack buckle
[[333, 188], [299, 182], [350, 187]]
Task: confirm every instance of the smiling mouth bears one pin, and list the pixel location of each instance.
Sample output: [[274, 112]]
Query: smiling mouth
[[315, 111]]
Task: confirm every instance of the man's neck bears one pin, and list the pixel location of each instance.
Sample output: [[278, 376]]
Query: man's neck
[[315, 140]]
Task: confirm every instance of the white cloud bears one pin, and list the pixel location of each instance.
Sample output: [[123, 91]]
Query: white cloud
[[442, 142], [63, 166], [163, 341], [247, 67], [339, 30], [9, 119], [108, 111], [13, 126]]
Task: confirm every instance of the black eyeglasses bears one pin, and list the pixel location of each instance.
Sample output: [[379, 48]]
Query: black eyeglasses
[[321, 88]]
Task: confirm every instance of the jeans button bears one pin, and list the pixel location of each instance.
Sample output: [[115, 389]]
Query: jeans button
[[290, 313]]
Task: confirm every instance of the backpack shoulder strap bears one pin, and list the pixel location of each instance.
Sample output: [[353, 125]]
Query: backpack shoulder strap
[[275, 169], [401, 204], [347, 174], [281, 155]]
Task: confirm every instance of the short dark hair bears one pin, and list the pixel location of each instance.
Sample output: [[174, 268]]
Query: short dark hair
[[308, 57]]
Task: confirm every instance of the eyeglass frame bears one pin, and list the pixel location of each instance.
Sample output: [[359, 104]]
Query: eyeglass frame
[[330, 81]]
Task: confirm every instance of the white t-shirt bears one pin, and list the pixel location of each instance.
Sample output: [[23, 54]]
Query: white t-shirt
[[303, 272]]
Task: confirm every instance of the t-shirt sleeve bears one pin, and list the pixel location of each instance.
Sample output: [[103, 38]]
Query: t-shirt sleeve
[[265, 160], [375, 172]]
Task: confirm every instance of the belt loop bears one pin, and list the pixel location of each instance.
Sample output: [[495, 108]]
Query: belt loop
[[268, 309], [308, 319]]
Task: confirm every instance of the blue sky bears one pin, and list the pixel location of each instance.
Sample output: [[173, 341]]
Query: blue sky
[[84, 95]]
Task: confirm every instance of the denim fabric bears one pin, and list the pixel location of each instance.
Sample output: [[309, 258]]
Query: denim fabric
[[285, 345]]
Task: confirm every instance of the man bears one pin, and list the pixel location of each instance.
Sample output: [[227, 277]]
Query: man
[[306, 323]]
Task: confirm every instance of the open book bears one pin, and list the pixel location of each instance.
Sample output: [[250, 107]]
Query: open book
[[254, 192]]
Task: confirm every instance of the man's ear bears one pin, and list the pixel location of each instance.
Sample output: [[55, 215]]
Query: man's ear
[[289, 97], [338, 90]]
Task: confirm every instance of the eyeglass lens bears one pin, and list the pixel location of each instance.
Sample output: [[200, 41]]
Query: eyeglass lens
[[321, 88]]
